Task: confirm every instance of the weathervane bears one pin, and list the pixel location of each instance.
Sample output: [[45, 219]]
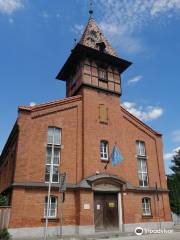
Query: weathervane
[[90, 8]]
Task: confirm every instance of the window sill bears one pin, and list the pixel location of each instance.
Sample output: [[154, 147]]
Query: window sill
[[142, 156], [104, 122], [104, 160], [147, 216], [52, 182], [55, 219]]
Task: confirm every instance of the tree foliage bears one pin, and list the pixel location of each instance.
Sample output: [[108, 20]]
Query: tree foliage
[[3, 200], [4, 234], [173, 182]]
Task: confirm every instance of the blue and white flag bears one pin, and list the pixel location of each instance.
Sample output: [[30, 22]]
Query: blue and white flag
[[115, 156]]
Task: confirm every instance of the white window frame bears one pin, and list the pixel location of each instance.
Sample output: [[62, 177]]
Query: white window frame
[[53, 145], [142, 172], [141, 157], [140, 148], [51, 207], [146, 207], [104, 154]]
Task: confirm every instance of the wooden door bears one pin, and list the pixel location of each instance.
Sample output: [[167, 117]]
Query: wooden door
[[106, 211]]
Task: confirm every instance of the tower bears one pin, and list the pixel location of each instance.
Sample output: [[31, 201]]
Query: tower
[[93, 70], [93, 63]]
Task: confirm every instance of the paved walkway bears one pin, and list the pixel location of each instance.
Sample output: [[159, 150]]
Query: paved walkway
[[167, 236], [170, 236], [174, 235]]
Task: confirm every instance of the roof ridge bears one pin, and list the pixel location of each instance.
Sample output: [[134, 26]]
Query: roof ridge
[[29, 108]]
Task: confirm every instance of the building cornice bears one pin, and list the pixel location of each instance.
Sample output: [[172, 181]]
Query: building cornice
[[86, 186], [39, 107]]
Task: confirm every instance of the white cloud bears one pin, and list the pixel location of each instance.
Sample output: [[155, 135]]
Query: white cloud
[[143, 113], [169, 156], [10, 6], [176, 135], [77, 29], [121, 37], [164, 6], [134, 80], [123, 20], [32, 104]]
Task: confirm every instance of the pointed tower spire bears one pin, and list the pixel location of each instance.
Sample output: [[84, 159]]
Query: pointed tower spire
[[93, 37]]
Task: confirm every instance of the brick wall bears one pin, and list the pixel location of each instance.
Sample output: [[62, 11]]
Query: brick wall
[[80, 157]]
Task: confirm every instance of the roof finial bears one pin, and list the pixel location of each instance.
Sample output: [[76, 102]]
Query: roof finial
[[90, 8]]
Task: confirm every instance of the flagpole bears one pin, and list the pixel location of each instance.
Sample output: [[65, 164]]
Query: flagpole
[[105, 167]]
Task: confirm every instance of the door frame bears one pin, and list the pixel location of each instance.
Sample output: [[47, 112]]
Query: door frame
[[120, 214]]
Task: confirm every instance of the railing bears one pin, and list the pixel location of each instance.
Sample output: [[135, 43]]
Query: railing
[[4, 217]]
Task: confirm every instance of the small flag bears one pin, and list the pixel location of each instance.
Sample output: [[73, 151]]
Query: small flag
[[116, 156]]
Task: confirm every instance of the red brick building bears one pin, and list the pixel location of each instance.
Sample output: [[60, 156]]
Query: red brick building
[[78, 134]]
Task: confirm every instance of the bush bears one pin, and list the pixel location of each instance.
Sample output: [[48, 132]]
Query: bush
[[4, 234], [3, 200]]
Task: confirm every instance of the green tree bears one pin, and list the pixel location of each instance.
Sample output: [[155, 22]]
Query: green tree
[[173, 182], [3, 200]]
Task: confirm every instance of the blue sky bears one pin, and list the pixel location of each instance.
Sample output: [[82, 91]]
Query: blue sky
[[36, 38]]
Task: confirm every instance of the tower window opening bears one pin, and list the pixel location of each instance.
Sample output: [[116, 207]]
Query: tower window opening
[[102, 74]]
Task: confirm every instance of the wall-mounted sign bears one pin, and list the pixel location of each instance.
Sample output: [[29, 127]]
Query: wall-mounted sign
[[111, 204], [98, 206], [86, 206]]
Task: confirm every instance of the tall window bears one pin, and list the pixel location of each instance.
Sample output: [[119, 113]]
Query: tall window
[[53, 154], [146, 206], [140, 148], [104, 150], [52, 213], [142, 164]]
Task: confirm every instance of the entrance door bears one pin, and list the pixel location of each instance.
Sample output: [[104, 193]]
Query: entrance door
[[106, 211]]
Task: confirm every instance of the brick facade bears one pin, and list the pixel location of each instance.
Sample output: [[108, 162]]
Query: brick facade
[[22, 163]]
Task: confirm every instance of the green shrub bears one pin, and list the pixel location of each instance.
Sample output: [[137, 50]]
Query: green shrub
[[3, 200], [4, 234]]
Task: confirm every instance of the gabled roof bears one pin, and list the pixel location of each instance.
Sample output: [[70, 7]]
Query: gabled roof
[[93, 35], [50, 104]]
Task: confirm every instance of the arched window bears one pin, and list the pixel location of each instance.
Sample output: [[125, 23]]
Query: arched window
[[146, 206], [104, 150], [52, 211], [53, 154]]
